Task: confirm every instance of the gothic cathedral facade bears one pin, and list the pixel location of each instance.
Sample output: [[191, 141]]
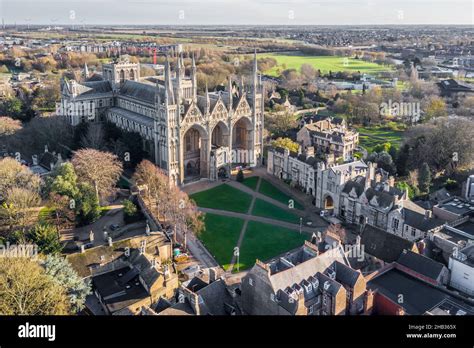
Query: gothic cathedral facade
[[189, 135]]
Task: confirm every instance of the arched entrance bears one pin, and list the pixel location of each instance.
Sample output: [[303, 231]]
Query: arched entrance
[[242, 142], [194, 153], [328, 203], [220, 135]]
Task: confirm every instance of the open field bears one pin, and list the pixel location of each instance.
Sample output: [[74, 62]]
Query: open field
[[271, 191], [323, 63], [221, 236], [251, 182], [223, 197], [262, 241], [265, 209], [373, 136]]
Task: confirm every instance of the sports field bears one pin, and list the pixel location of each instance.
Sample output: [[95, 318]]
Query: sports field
[[323, 63]]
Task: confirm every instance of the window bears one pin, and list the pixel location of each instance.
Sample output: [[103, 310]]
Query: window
[[395, 223], [413, 231]]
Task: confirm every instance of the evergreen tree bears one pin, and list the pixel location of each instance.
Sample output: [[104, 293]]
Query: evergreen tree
[[47, 238], [62, 273], [424, 178], [240, 176]]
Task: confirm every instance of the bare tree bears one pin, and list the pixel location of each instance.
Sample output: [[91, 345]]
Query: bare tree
[[100, 169], [94, 137], [9, 126], [17, 210], [14, 174]]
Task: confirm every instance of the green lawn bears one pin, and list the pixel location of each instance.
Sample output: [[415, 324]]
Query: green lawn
[[223, 197], [323, 63], [221, 237], [265, 209], [263, 241], [271, 191], [251, 182], [369, 137]]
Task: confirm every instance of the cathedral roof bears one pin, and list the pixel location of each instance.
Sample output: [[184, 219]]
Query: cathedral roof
[[140, 91]]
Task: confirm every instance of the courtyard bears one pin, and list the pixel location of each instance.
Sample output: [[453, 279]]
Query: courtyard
[[254, 216]]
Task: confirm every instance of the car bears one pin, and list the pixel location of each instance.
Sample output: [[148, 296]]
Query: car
[[114, 227]]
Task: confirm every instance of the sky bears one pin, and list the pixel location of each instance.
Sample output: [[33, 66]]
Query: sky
[[237, 12]]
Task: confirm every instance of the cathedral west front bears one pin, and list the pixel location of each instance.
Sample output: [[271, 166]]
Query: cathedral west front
[[189, 135]]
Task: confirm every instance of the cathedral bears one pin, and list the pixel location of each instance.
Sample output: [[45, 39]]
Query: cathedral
[[189, 135]]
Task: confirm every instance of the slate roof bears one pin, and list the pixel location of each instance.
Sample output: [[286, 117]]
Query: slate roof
[[133, 116], [421, 264], [418, 296], [118, 292], [304, 270], [140, 91], [345, 274], [358, 184], [383, 245], [89, 89], [385, 199], [420, 221]]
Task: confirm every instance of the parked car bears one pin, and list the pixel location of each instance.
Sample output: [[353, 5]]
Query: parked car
[[114, 227]]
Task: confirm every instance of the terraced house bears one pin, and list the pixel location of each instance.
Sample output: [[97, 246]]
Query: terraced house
[[305, 281], [188, 135]]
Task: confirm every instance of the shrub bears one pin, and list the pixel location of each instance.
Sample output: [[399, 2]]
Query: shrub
[[240, 176]]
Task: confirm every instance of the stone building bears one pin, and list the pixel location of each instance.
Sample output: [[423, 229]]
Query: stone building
[[305, 281], [190, 136], [329, 135]]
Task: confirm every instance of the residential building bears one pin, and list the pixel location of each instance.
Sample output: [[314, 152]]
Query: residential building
[[329, 135], [305, 281], [461, 265], [201, 295], [128, 274]]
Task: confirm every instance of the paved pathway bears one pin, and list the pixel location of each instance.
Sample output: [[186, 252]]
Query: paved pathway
[[263, 220]]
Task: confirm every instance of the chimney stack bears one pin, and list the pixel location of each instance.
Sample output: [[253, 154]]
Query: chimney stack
[[310, 151], [391, 181], [212, 275], [378, 178], [428, 214]]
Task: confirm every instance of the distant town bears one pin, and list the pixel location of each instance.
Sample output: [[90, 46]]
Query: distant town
[[235, 171]]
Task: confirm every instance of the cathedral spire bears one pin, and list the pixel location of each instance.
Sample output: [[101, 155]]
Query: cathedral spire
[[255, 73], [208, 101], [86, 71], [229, 89], [168, 85], [194, 78]]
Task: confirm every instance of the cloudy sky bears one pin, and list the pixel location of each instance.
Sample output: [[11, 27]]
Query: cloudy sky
[[272, 12]]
